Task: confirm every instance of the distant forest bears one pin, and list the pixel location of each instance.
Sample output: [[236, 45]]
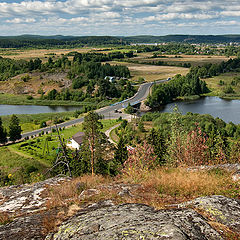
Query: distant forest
[[36, 41]]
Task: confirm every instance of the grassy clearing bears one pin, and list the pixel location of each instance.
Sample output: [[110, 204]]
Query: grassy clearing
[[150, 72], [44, 148], [114, 136], [30, 122], [21, 167], [195, 60], [218, 90], [36, 83]]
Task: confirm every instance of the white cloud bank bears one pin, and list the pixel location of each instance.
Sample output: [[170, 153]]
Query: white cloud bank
[[119, 17]]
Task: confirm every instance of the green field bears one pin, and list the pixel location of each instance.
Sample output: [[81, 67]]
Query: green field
[[19, 168], [218, 85]]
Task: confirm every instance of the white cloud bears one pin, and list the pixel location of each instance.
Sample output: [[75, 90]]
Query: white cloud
[[21, 20], [231, 13], [115, 15]]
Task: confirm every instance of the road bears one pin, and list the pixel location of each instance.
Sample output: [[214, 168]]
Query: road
[[107, 112]]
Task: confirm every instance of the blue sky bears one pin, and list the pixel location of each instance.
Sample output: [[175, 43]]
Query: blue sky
[[119, 17]]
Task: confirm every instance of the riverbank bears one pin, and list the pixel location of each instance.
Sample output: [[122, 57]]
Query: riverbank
[[9, 99], [31, 122], [226, 85]]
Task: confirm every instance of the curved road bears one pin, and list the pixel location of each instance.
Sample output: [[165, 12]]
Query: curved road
[[107, 112]]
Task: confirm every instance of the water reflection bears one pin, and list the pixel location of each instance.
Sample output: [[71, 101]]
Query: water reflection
[[32, 109], [228, 110]]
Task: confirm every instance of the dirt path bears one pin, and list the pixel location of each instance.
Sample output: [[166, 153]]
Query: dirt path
[[109, 131]]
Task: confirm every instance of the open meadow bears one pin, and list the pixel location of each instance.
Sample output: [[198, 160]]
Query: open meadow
[[43, 54], [221, 85], [195, 60], [150, 72]]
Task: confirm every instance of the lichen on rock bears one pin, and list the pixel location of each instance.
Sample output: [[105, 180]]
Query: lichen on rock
[[136, 221]]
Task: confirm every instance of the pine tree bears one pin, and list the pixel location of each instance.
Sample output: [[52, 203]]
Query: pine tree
[[14, 129], [156, 139], [3, 133], [121, 153], [93, 136]]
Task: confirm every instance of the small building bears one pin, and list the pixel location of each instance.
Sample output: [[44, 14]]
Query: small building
[[76, 141], [110, 79]]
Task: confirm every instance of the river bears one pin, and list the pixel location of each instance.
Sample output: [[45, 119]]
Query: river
[[227, 110], [34, 109]]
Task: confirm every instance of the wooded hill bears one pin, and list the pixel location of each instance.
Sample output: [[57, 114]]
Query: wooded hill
[[26, 41]]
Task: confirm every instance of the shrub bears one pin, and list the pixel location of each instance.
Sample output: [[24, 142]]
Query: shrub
[[140, 160], [228, 89], [29, 97], [43, 124]]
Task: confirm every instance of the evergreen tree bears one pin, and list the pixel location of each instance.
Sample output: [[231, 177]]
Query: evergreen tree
[[3, 133], [93, 137], [156, 139], [121, 153], [14, 129]]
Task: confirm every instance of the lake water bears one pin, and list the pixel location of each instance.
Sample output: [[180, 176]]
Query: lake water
[[33, 109], [228, 110]]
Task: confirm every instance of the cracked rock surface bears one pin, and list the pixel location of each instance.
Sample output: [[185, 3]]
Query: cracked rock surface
[[221, 209], [25, 198], [136, 221]]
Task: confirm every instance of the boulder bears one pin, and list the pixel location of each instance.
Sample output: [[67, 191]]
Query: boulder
[[136, 221], [26, 198], [221, 209]]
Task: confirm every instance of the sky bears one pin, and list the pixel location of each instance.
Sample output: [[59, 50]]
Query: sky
[[119, 17]]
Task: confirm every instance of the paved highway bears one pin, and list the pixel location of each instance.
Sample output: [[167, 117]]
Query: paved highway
[[107, 112]]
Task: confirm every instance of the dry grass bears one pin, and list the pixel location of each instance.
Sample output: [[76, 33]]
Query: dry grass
[[67, 193], [49, 223], [167, 186], [150, 72], [195, 60], [213, 83], [225, 231], [43, 54], [5, 218], [38, 81], [157, 188]]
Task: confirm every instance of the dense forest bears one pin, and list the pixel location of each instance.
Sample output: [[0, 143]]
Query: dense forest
[[35, 41], [58, 41], [184, 38], [178, 86]]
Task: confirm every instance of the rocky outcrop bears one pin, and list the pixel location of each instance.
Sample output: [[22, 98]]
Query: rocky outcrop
[[144, 107], [23, 210], [136, 221], [26, 198], [29, 218], [221, 209]]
